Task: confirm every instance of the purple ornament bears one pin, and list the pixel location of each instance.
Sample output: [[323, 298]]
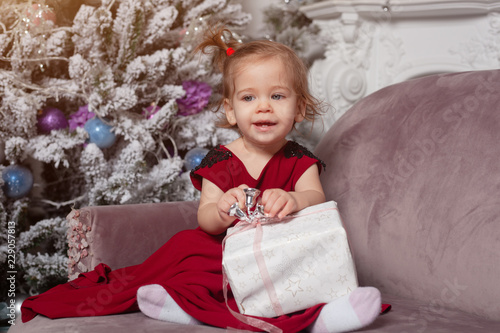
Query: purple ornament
[[51, 119], [80, 117], [196, 99]]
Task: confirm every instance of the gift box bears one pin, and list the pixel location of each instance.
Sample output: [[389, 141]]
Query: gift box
[[276, 268]]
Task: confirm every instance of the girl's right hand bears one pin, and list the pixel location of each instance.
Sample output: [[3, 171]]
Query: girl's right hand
[[225, 202], [213, 211]]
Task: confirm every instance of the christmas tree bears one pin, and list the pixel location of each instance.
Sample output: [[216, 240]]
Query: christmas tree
[[286, 24], [101, 102]]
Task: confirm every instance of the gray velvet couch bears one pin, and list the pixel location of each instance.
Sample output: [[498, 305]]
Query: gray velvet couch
[[415, 169]]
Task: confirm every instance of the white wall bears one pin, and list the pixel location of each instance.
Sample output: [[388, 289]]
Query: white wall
[[369, 46]]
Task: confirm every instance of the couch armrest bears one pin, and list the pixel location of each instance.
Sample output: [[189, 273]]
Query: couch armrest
[[123, 235]]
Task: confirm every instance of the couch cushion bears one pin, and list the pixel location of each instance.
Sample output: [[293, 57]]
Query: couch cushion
[[124, 235], [415, 170], [123, 323], [407, 316]]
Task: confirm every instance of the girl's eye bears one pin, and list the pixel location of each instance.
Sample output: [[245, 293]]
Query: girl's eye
[[248, 98], [277, 97]]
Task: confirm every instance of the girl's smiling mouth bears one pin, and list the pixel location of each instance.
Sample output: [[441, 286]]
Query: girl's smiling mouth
[[264, 124]]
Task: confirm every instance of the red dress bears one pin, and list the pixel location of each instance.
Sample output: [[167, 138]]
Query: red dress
[[189, 265]]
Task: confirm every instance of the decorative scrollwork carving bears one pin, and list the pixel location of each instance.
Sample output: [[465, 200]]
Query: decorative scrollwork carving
[[352, 84]]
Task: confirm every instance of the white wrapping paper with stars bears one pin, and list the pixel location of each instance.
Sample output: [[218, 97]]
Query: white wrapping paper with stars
[[283, 267]]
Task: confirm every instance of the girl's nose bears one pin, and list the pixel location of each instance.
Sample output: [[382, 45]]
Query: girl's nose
[[264, 105]]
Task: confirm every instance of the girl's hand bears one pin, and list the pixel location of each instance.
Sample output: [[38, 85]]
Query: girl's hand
[[278, 202], [225, 202], [213, 211]]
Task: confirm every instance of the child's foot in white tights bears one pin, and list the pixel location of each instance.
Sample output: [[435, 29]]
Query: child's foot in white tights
[[350, 312], [155, 302]]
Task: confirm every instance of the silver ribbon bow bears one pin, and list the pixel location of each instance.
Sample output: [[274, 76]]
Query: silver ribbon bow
[[250, 201]]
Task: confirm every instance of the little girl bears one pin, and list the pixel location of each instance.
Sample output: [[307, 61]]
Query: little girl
[[265, 92]]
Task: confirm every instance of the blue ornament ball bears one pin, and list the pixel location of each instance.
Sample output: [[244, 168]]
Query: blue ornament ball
[[18, 181], [193, 157], [100, 133]]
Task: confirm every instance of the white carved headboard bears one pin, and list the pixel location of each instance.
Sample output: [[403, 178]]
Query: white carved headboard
[[370, 44]]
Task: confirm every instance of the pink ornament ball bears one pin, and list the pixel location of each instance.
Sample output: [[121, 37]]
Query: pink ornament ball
[[51, 119], [38, 14]]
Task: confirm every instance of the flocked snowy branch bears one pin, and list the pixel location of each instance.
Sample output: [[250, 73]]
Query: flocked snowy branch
[[127, 63]]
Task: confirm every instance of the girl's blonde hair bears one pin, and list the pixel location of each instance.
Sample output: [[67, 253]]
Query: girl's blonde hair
[[218, 40]]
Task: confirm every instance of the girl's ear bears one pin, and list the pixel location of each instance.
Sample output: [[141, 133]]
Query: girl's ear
[[301, 111], [229, 111]]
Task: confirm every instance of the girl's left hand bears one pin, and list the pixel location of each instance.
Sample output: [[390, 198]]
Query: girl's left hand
[[278, 202]]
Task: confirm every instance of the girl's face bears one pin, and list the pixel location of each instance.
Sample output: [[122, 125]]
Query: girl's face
[[263, 105]]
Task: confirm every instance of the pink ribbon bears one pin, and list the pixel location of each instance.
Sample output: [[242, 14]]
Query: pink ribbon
[[259, 257], [264, 273], [252, 321]]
